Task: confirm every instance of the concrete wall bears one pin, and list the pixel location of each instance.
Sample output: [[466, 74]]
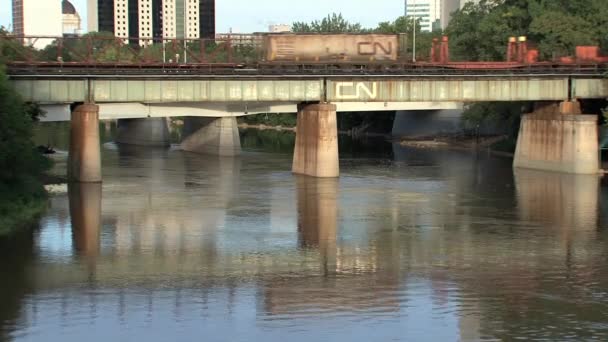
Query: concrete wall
[[558, 142]]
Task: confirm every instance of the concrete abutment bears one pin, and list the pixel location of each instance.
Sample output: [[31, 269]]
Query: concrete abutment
[[84, 159], [214, 136], [316, 149], [558, 138]]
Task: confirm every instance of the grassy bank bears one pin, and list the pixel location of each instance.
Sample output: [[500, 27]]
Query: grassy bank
[[21, 204]]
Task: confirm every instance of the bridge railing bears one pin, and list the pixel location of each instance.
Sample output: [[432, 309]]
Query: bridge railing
[[99, 49]]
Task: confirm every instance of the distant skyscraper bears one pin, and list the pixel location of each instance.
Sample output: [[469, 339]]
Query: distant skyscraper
[[447, 8], [153, 19], [37, 18], [434, 14], [428, 11]]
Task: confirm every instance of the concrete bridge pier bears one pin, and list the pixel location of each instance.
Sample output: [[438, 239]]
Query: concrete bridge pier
[[152, 132], [214, 136], [84, 159], [557, 137], [316, 149]]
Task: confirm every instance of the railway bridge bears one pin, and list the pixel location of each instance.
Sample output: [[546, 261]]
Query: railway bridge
[[557, 138]]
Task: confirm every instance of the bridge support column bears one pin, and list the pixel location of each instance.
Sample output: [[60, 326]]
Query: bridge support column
[[143, 132], [84, 160], [316, 149], [215, 136], [558, 138]]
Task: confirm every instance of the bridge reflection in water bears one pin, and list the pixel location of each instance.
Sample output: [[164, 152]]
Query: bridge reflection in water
[[85, 211], [568, 203], [434, 243]]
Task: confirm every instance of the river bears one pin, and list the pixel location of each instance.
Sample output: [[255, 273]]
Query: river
[[408, 244]]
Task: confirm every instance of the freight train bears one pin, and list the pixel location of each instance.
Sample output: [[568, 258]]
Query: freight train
[[388, 52], [308, 54]]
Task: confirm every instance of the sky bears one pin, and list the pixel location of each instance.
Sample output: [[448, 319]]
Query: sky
[[255, 15]]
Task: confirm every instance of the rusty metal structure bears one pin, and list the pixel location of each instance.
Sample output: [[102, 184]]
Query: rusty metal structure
[[273, 54]]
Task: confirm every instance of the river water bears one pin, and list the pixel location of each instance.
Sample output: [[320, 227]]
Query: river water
[[416, 245]]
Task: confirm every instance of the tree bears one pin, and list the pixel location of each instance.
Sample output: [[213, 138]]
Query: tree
[[480, 31], [12, 49], [402, 24], [96, 46], [21, 165], [333, 23]]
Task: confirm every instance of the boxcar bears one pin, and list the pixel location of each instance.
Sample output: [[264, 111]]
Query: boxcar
[[330, 47]]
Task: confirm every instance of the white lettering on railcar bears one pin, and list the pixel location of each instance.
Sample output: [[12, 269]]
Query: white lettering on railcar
[[354, 90]]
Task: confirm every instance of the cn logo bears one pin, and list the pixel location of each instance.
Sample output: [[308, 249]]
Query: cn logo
[[374, 48], [355, 90]]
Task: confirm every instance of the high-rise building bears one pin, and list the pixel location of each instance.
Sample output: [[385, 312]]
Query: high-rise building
[[434, 14], [153, 19], [37, 18], [428, 11], [464, 2], [71, 19]]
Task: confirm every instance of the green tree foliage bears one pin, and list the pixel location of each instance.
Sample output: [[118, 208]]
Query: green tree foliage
[[402, 24], [559, 26], [268, 140], [481, 31], [405, 26], [333, 23], [12, 49], [21, 165], [275, 119], [100, 47]]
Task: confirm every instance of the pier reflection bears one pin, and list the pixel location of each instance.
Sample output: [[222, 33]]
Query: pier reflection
[[568, 203], [317, 212], [85, 213]]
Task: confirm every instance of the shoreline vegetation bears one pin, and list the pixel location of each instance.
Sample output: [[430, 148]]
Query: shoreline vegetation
[[23, 198]]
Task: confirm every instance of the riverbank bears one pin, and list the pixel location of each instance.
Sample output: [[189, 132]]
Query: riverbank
[[263, 127], [352, 132], [498, 145], [20, 215], [457, 141], [22, 209]]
